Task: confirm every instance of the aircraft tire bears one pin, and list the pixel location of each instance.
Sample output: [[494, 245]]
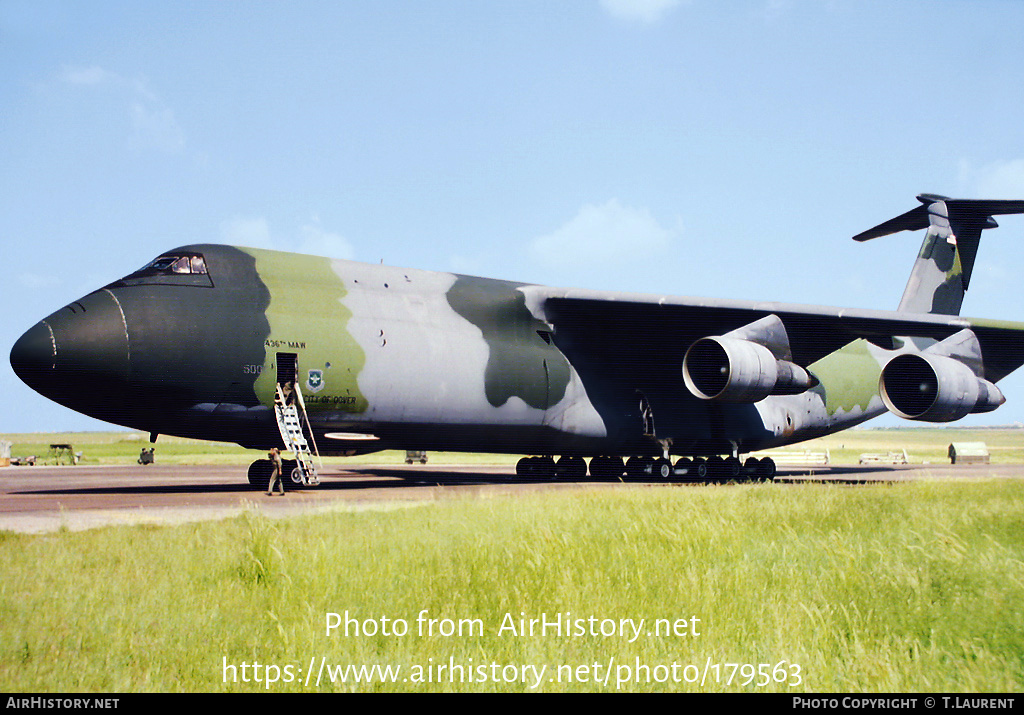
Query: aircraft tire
[[527, 467], [697, 469], [573, 468], [544, 468], [259, 474], [639, 469], [607, 468], [701, 468], [662, 468], [633, 469], [536, 468], [613, 469], [715, 468], [579, 468], [289, 473], [732, 468], [616, 468], [687, 467]]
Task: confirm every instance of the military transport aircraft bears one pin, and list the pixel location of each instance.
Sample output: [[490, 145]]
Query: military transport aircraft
[[333, 357]]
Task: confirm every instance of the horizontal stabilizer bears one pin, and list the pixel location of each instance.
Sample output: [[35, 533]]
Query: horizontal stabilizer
[[968, 211]]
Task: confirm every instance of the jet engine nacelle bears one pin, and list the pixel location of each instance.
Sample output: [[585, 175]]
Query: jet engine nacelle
[[935, 388], [734, 370]]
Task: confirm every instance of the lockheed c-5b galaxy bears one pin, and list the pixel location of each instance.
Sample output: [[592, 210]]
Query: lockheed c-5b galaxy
[[335, 357]]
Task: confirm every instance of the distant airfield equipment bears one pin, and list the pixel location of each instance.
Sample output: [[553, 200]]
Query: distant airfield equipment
[[64, 452], [891, 457], [969, 453], [415, 455]]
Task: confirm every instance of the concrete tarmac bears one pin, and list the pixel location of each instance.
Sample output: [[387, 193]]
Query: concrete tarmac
[[40, 499]]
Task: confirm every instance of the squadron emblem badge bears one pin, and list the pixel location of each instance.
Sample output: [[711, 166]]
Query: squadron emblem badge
[[315, 381]]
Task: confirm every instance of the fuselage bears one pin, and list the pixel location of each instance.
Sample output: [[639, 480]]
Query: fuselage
[[192, 345]]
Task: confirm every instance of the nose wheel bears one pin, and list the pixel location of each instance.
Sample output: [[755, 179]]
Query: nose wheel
[[259, 474], [260, 471]]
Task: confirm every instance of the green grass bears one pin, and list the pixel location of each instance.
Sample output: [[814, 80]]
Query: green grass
[[99, 448], [925, 444], [906, 587]]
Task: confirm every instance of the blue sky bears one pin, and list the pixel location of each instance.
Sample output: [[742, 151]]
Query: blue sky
[[727, 149]]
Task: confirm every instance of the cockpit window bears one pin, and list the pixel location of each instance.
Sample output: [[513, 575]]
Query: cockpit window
[[177, 268], [193, 263]]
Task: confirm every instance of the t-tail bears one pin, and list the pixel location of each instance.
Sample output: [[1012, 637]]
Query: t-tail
[[943, 269]]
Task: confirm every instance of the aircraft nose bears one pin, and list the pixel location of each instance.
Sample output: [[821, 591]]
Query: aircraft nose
[[77, 356], [34, 355]]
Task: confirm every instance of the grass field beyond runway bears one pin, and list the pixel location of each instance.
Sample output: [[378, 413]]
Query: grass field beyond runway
[[906, 587], [1006, 446]]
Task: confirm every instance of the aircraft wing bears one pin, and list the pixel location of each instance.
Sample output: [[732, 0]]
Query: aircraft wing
[[637, 331]]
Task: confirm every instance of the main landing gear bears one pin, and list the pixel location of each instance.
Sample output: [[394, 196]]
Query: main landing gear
[[548, 468], [640, 469]]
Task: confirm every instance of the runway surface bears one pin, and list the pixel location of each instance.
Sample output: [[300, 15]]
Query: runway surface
[[41, 499]]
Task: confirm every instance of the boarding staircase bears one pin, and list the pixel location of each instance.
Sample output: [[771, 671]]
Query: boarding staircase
[[291, 411]]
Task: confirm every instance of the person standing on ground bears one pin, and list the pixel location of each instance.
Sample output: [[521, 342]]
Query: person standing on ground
[[275, 472]]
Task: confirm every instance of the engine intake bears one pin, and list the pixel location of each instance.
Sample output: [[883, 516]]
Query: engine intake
[[935, 388], [734, 370]]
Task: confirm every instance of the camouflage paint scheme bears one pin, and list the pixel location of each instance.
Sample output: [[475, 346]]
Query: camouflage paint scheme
[[402, 358]]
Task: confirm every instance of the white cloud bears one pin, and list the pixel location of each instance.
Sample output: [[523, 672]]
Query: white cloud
[[605, 234], [153, 124], [87, 75], [645, 11], [251, 232], [310, 238], [319, 242], [94, 75], [155, 128]]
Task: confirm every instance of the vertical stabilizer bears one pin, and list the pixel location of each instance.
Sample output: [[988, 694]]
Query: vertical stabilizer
[[942, 272], [937, 282]]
